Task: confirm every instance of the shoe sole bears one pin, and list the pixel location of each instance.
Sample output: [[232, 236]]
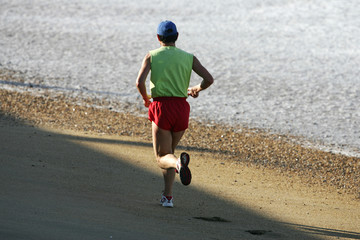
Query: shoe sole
[[185, 173], [168, 205]]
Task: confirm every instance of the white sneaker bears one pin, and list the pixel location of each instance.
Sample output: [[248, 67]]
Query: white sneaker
[[165, 202]]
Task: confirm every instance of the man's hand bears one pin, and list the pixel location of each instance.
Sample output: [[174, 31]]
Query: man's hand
[[146, 102], [194, 91]]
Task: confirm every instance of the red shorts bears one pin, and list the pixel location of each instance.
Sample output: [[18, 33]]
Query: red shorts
[[170, 113]]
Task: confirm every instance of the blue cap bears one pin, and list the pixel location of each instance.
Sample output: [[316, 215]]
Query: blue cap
[[166, 28]]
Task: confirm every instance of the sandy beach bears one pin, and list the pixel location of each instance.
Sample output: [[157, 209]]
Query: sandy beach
[[274, 144], [64, 178]]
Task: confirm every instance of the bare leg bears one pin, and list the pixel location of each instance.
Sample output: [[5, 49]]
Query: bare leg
[[164, 143]]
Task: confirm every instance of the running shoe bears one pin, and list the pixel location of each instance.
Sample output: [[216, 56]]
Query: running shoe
[[183, 169], [166, 201]]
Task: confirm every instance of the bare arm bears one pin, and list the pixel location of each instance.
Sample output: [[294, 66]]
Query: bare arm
[[204, 74], [141, 79]]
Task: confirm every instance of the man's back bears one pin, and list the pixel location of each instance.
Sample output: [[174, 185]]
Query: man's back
[[171, 70]]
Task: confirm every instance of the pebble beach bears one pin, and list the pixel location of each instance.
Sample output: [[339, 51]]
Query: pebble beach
[[286, 90], [246, 147]]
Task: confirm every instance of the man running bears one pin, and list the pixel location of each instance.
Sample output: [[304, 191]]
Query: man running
[[169, 111]]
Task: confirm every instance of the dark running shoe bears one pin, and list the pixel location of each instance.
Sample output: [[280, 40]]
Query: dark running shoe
[[184, 171]]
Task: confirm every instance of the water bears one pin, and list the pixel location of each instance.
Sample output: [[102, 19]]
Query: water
[[287, 66]]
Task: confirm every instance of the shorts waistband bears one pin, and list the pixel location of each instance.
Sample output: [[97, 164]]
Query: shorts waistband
[[161, 99]]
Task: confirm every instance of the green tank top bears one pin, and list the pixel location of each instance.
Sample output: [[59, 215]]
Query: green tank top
[[171, 69]]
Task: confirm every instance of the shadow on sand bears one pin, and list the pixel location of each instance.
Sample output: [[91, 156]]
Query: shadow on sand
[[54, 188]]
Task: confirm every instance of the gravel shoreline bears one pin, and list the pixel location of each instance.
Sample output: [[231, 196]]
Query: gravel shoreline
[[246, 146], [289, 67]]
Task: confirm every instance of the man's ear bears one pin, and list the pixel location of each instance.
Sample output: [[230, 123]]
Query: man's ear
[[158, 37]]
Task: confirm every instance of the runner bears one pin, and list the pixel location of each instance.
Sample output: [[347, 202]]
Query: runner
[[169, 111]]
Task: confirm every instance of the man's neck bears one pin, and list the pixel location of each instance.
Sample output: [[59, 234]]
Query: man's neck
[[167, 44]]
